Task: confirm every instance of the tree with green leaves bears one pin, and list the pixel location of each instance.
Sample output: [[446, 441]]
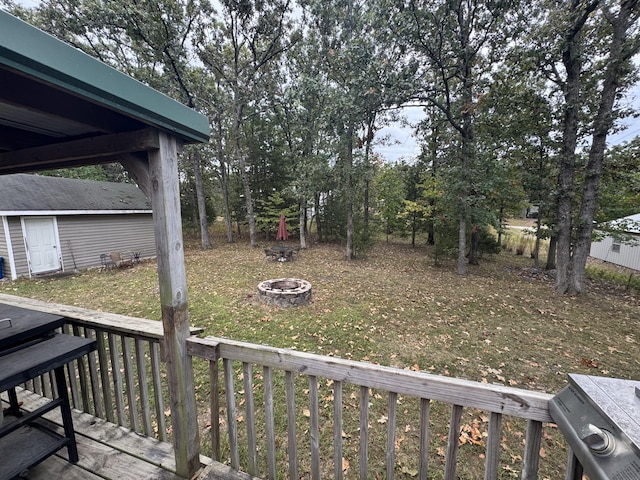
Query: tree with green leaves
[[390, 195], [239, 47], [457, 42], [619, 193], [358, 71], [588, 49]]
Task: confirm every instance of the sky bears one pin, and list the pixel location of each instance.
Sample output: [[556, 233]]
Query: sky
[[403, 145]]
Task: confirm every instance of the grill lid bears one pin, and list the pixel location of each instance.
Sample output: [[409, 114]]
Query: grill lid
[[600, 419]]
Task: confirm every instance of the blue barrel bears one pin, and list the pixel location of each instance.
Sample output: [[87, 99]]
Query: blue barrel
[[1, 266]]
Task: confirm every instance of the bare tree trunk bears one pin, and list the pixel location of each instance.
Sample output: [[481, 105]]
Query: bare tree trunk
[[224, 180], [244, 175], [302, 224], [349, 194], [466, 131], [572, 60], [553, 250], [316, 202], [248, 200], [473, 248], [433, 148], [202, 208], [462, 245], [619, 53], [367, 152], [536, 250]]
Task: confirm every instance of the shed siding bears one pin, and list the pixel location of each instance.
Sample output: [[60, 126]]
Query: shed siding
[[84, 237], [628, 256], [19, 250]]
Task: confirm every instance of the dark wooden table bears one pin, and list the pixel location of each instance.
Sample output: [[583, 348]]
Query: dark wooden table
[[19, 325], [29, 347]]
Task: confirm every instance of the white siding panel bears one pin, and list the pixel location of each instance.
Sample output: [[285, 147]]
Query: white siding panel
[[602, 249], [19, 251], [628, 256], [84, 237]]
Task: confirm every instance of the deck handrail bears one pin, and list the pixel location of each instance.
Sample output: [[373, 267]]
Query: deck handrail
[[122, 381], [121, 324], [497, 400]]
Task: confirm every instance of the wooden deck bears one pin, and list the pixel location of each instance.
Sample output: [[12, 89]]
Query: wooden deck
[[106, 450]]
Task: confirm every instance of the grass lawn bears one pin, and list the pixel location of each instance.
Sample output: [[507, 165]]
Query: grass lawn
[[502, 323]]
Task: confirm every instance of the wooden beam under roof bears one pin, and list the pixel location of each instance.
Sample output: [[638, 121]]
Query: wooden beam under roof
[[76, 152]]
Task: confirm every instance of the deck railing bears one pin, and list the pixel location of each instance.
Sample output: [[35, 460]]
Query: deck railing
[[261, 443], [304, 414], [122, 381]]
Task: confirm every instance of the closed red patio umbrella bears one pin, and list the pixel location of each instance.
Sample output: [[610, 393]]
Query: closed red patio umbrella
[[282, 229]]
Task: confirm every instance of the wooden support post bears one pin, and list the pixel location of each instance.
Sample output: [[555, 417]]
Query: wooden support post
[[165, 200]]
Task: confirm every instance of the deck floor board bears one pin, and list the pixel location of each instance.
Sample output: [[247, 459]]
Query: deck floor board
[[106, 451]]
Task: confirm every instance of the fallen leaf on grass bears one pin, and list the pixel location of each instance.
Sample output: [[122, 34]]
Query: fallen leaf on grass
[[587, 362], [412, 472]]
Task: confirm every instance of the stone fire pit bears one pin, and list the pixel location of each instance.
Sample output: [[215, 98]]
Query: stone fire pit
[[285, 292]]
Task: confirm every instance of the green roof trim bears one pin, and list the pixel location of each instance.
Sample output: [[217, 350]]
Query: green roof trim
[[26, 49]]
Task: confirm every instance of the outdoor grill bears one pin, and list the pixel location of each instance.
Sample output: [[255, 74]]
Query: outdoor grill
[[600, 419]]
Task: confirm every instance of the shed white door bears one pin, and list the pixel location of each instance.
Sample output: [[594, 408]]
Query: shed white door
[[41, 242]]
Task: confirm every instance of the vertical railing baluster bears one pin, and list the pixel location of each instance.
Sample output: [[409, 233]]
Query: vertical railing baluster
[[37, 385], [232, 419], [82, 375], [425, 413], [291, 425], [143, 384], [158, 398], [46, 383], [105, 379], [250, 414], [492, 458], [71, 373], [314, 427], [130, 385], [214, 402], [364, 433], [531, 460], [453, 442], [94, 378], [117, 378], [391, 435], [337, 429], [270, 428], [54, 386]]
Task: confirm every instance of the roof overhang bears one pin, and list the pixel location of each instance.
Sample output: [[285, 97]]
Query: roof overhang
[[52, 94]]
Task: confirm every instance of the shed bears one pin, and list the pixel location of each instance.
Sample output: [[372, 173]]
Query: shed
[[52, 224], [623, 248], [61, 108]]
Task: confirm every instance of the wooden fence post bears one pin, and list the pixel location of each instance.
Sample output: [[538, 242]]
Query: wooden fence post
[[165, 201]]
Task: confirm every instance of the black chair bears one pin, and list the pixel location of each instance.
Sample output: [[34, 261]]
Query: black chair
[[270, 254]]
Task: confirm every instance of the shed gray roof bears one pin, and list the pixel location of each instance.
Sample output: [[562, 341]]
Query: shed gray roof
[[36, 193]]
